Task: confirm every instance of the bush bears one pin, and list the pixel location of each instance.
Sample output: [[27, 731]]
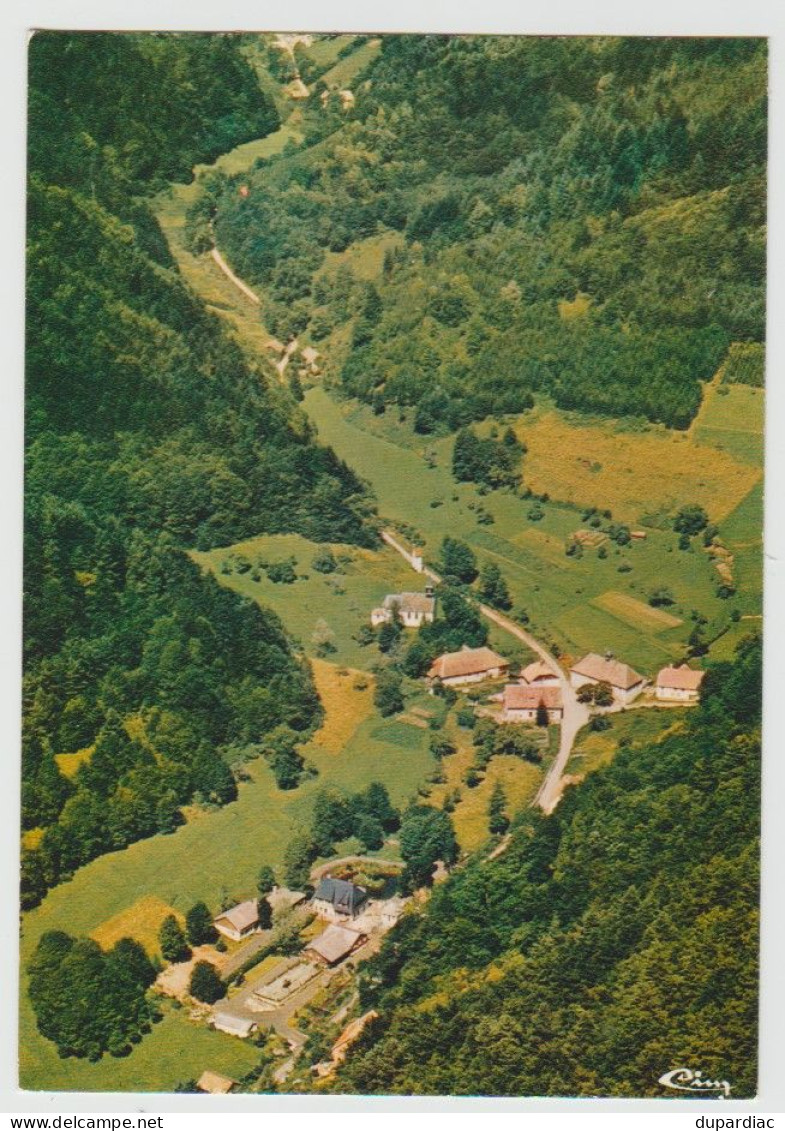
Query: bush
[[205, 984]]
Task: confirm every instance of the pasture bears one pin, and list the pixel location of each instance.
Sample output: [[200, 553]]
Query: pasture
[[176, 1050], [342, 600], [566, 598]]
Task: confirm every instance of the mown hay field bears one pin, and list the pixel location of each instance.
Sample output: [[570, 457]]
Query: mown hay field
[[638, 727], [631, 473], [635, 612], [141, 921]]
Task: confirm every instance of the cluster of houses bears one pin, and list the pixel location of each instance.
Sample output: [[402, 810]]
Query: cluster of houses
[[337, 901], [539, 687]]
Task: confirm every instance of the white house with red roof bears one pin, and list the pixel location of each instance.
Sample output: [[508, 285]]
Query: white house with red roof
[[521, 703], [625, 682]]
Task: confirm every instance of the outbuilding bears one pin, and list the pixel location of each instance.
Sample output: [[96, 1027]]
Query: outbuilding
[[334, 944], [679, 685], [522, 703]]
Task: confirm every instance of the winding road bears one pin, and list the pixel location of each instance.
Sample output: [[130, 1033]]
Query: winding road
[[575, 716]]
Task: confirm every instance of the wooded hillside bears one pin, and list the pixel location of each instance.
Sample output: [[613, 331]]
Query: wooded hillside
[[581, 217], [148, 432]]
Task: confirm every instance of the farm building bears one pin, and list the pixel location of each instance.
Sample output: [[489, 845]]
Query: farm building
[[338, 898], [413, 609], [539, 674], [679, 685], [334, 944], [521, 703], [624, 680], [214, 1083], [238, 922], [470, 665], [235, 1026]]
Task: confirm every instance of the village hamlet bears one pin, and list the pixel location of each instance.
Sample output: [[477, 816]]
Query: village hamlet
[[393, 565]]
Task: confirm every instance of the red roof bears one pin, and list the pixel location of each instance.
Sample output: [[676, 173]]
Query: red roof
[[681, 679], [607, 670], [538, 670], [519, 697]]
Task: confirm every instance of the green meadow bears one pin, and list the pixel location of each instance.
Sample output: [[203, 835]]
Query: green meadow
[[343, 599], [583, 604]]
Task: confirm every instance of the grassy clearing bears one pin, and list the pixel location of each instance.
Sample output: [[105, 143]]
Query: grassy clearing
[[343, 599], [635, 612], [140, 921], [557, 592], [563, 455], [31, 838], [638, 727], [68, 764], [213, 857], [365, 257], [568, 311], [347, 696], [731, 421]]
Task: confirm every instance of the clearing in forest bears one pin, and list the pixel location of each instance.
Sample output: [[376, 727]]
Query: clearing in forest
[[635, 612]]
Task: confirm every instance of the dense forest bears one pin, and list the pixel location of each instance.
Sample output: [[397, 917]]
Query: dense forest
[[612, 941], [580, 217], [148, 432]]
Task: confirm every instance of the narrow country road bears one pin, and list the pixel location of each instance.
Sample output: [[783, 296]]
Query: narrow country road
[[575, 715], [241, 286]]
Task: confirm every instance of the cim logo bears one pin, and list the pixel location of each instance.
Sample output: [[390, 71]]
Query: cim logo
[[686, 1080]]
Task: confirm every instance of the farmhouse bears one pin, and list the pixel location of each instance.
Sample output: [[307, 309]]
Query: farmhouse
[[521, 703], [540, 675], [679, 685], [470, 665], [214, 1083], [334, 944], [624, 681], [338, 898], [238, 922], [413, 609]]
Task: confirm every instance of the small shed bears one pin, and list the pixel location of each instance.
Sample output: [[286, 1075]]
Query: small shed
[[214, 1083]]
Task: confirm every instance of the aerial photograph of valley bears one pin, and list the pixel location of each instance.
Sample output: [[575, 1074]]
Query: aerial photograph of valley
[[394, 417]]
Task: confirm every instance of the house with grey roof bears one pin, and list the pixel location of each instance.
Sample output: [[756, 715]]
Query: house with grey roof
[[338, 898]]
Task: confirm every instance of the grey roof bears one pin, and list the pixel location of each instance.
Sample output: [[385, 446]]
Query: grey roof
[[343, 895]]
